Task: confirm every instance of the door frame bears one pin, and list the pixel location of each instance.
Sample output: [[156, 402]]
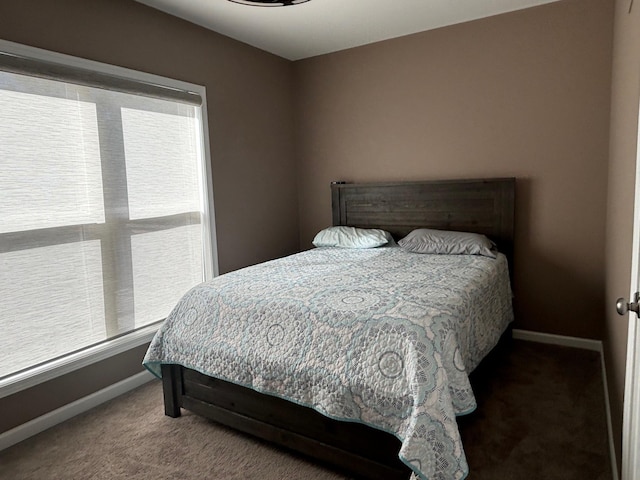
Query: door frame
[[631, 412]]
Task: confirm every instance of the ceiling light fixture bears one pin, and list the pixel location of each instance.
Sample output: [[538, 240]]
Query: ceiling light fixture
[[269, 3]]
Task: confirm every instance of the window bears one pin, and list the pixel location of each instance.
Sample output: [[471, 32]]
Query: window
[[104, 205]]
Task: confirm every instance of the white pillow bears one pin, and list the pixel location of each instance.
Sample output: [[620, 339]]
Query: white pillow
[[425, 240], [351, 237]]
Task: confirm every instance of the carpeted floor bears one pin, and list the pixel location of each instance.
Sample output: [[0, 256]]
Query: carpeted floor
[[540, 415]]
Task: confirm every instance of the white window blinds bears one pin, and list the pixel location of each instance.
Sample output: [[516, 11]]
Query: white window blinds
[[103, 207]]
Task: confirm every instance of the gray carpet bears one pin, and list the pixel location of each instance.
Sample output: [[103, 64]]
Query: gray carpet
[[540, 415]]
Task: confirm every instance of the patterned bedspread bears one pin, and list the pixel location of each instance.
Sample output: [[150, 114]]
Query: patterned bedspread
[[378, 336]]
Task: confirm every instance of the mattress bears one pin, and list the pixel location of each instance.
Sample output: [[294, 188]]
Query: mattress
[[379, 336]]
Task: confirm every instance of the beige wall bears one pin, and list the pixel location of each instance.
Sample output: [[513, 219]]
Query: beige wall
[[524, 94], [622, 164], [250, 118]]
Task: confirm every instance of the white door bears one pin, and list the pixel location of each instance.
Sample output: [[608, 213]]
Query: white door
[[631, 422]]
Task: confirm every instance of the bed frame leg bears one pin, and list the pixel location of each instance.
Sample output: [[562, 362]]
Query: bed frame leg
[[172, 389]]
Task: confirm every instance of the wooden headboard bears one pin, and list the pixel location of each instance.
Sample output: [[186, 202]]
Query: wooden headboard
[[481, 206]]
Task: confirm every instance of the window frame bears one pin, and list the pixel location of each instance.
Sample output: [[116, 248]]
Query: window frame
[[110, 347]]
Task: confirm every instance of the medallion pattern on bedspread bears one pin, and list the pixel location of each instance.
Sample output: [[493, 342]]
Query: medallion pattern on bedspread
[[380, 336]]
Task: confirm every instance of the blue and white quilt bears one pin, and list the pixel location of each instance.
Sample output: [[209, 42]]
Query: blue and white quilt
[[378, 336]]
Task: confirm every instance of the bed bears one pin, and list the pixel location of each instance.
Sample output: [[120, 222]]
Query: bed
[[296, 399]]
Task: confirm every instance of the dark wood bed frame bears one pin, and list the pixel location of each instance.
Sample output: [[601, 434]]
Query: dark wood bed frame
[[482, 206]]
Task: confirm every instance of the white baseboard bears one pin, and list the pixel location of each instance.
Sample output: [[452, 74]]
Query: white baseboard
[[576, 342], [607, 404], [587, 344], [44, 422]]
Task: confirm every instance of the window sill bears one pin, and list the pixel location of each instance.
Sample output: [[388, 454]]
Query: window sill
[[75, 361]]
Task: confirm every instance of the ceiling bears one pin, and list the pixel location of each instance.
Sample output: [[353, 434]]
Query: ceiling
[[324, 26]]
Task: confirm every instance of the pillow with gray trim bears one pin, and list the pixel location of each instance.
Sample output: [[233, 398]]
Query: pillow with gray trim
[[426, 240], [351, 237]]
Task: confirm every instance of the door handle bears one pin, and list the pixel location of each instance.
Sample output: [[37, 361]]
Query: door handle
[[622, 306]]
